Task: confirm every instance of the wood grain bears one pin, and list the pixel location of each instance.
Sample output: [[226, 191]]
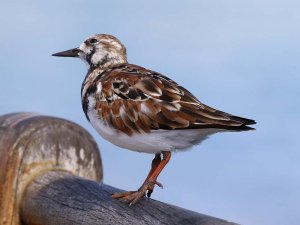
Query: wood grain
[[61, 198]]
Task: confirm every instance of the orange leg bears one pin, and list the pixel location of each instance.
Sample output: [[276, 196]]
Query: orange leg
[[158, 164]]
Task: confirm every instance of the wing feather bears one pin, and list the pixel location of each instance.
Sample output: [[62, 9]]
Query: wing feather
[[134, 99]]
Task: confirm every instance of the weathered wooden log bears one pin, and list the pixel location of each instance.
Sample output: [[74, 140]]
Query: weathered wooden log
[[51, 173], [61, 198], [31, 144]]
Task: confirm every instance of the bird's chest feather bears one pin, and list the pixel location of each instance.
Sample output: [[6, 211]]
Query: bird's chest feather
[[95, 116], [90, 86], [137, 142]]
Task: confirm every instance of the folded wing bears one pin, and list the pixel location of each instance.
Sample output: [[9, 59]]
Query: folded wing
[[134, 99]]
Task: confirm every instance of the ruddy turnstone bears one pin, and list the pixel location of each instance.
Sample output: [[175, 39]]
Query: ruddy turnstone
[[142, 110]]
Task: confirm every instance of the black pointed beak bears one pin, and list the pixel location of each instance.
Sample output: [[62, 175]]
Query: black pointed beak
[[69, 53]]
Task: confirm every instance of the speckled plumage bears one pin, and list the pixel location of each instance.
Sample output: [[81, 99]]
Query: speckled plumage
[[136, 101], [140, 109]]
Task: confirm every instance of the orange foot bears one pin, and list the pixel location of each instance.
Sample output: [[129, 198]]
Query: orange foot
[[132, 197], [158, 163]]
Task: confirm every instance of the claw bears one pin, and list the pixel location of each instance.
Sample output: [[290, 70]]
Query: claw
[[159, 184], [132, 197]]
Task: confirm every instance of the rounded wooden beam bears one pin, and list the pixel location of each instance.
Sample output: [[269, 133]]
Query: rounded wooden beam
[[61, 198], [32, 144]]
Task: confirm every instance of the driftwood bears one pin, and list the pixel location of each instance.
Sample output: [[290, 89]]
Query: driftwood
[[61, 198], [51, 173], [31, 145]]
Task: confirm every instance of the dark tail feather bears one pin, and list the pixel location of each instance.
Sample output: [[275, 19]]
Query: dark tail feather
[[244, 121]]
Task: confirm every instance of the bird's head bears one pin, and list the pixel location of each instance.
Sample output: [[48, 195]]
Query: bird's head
[[99, 50]]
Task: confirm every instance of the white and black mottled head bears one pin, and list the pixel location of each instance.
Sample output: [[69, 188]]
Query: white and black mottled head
[[99, 50]]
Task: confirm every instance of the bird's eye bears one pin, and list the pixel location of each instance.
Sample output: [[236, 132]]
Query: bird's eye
[[93, 41]]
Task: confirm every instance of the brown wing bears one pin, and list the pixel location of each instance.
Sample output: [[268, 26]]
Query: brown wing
[[134, 99]]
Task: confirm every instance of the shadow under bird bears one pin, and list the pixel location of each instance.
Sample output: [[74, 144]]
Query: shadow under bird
[[142, 110]]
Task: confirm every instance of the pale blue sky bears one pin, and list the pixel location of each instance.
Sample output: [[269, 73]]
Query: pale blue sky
[[239, 56]]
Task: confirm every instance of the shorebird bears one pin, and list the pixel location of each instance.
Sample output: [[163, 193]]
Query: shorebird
[[142, 110]]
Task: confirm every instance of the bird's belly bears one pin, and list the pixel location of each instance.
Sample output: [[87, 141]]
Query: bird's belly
[[153, 142], [136, 142]]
